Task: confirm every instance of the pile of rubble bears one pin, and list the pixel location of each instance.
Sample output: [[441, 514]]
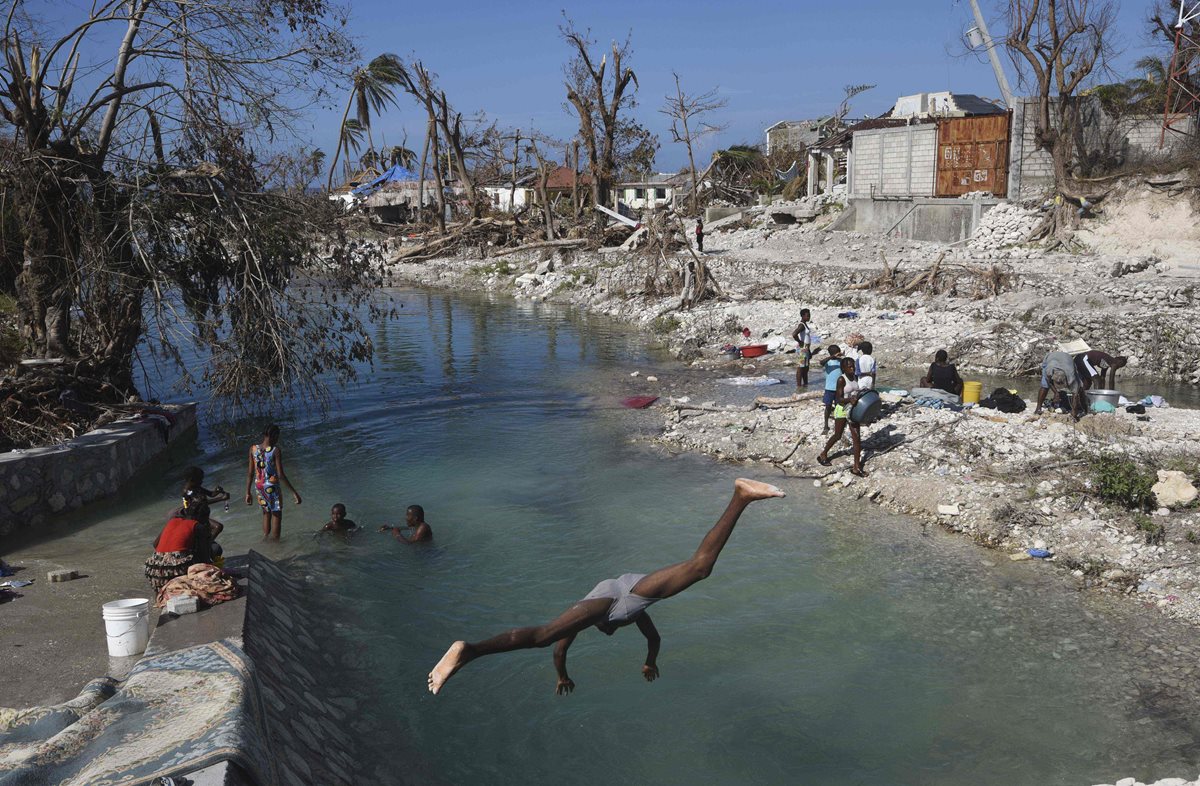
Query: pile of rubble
[[1006, 224]]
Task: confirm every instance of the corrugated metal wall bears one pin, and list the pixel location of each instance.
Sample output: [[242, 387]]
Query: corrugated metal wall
[[972, 155]]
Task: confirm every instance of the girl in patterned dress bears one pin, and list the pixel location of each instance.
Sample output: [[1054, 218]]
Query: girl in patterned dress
[[265, 474]]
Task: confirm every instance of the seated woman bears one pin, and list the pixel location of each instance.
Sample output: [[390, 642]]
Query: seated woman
[[943, 375], [183, 542]]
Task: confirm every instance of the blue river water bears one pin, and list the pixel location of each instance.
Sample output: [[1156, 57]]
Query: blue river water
[[833, 643]]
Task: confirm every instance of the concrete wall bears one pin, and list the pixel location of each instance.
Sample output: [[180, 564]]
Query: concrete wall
[[940, 220], [894, 161], [36, 484]]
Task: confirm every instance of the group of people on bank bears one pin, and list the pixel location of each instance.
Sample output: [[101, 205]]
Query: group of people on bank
[[851, 372], [190, 534]]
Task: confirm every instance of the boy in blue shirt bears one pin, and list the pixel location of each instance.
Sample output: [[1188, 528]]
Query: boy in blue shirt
[[833, 370]]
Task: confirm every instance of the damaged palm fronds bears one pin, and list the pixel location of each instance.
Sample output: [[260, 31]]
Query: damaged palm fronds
[[940, 278]]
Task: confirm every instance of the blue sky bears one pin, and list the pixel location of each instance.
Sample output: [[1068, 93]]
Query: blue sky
[[771, 60]]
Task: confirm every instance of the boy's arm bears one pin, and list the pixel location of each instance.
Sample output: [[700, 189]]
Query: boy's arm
[[653, 640], [565, 685], [283, 475]]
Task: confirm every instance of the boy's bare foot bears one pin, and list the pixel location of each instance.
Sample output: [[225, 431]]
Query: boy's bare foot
[[753, 489], [445, 668]]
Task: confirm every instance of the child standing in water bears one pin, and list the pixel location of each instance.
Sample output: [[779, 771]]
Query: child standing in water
[[265, 473]]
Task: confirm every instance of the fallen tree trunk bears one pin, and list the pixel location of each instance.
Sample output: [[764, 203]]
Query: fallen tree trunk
[[568, 243]]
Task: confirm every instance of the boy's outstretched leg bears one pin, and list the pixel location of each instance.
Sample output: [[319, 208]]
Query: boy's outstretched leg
[[582, 615], [665, 582]]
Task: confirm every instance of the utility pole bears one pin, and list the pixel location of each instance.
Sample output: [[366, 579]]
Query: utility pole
[[1002, 80]]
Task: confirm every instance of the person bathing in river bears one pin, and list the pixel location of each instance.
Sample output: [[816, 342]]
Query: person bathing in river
[[846, 397], [802, 335], [193, 491], [414, 519], [943, 375], [264, 473], [1093, 366], [338, 522], [612, 604]]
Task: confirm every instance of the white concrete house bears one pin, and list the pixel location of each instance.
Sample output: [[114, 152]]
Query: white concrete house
[[653, 193], [503, 196]]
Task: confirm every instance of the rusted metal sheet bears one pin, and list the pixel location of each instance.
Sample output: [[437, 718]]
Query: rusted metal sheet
[[973, 155]]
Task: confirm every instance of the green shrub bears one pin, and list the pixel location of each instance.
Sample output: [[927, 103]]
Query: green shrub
[[664, 324], [1124, 482], [1155, 532], [1191, 536]]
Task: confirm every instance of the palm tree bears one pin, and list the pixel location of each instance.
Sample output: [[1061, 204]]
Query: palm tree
[[316, 162], [372, 89], [402, 156], [349, 143], [1150, 90]]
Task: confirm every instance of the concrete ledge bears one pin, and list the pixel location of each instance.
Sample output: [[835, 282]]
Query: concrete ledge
[[919, 218], [41, 482]]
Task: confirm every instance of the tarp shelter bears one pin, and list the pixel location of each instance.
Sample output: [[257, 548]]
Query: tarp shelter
[[396, 174]]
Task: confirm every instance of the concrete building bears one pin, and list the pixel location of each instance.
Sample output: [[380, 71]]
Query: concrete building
[[799, 134], [510, 197], [652, 193]]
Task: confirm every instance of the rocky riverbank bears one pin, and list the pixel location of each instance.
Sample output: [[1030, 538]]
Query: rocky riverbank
[[1012, 482]]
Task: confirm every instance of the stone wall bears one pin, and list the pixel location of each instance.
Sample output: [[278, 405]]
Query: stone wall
[[316, 727], [38, 483]]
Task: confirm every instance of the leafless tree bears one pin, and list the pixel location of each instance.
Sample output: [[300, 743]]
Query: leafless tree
[[143, 204], [688, 125], [599, 94], [1056, 45]]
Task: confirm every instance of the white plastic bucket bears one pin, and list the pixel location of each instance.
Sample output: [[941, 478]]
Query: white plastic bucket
[[127, 623]]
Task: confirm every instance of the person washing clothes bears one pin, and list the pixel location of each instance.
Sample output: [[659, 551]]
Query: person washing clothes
[[1059, 375], [943, 375]]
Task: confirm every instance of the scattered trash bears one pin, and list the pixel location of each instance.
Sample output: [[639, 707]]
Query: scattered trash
[[5, 570], [1152, 587], [948, 510], [638, 402], [1136, 409], [15, 584], [751, 381], [651, 379], [1154, 401], [848, 315], [635, 374], [1040, 553], [889, 316], [1020, 555]]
